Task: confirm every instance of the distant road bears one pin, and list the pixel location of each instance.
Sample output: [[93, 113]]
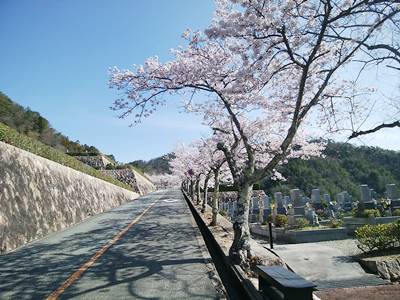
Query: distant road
[[145, 249]]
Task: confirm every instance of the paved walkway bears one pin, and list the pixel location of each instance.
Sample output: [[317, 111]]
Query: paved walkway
[[325, 265], [158, 257]]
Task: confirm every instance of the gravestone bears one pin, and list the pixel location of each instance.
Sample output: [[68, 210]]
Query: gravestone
[[366, 197], [295, 196], [286, 201], [266, 202], [345, 199], [392, 192], [255, 204], [340, 198], [279, 203], [278, 198], [365, 193], [393, 195], [327, 197], [315, 196]]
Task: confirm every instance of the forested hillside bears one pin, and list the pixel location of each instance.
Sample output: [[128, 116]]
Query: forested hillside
[[32, 124], [344, 167], [154, 166]]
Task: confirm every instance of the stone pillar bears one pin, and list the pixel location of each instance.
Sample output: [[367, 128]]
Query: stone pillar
[[365, 193], [278, 198], [295, 196], [327, 197], [392, 192], [286, 201], [315, 196]]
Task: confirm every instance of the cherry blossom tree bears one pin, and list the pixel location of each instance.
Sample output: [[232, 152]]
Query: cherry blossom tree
[[264, 71], [184, 166], [165, 180], [214, 162]]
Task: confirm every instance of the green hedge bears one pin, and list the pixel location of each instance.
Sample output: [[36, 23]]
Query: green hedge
[[378, 237], [12, 137]]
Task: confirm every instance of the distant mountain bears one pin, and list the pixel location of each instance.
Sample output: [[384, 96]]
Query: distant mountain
[[154, 166], [31, 123], [344, 167]]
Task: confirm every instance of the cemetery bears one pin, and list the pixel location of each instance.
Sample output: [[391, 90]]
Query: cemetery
[[297, 218]]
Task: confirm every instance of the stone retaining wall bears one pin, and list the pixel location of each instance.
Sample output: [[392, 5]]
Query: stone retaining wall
[[139, 183], [39, 196], [97, 161], [300, 236], [352, 224]]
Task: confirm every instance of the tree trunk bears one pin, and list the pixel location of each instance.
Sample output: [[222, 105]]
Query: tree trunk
[[192, 190], [198, 196], [240, 249], [205, 187], [215, 208]]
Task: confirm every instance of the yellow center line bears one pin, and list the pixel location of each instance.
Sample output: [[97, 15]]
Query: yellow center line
[[77, 274]]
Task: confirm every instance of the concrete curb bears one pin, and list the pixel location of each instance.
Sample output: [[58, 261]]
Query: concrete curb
[[236, 285]]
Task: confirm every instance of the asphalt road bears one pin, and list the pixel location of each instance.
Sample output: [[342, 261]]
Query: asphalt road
[[153, 254]]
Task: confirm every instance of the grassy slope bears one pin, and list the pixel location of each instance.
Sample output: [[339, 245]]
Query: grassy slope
[[12, 137]]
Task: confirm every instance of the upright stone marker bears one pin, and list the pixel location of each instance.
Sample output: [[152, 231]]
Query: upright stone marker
[[286, 201], [295, 196], [327, 197], [315, 196], [365, 193], [392, 192]]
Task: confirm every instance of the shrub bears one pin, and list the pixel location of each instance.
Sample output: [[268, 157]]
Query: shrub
[[378, 237], [396, 232], [335, 223], [281, 220], [12, 137], [396, 212], [367, 213], [302, 222]]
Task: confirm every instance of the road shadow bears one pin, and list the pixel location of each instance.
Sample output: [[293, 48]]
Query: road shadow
[[161, 247]]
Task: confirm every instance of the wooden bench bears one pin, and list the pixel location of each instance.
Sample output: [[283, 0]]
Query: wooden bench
[[277, 283]]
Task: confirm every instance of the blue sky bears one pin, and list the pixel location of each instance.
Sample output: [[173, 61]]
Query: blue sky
[[55, 55]]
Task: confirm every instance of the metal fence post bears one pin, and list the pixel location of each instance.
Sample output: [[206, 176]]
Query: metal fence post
[[271, 239]]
